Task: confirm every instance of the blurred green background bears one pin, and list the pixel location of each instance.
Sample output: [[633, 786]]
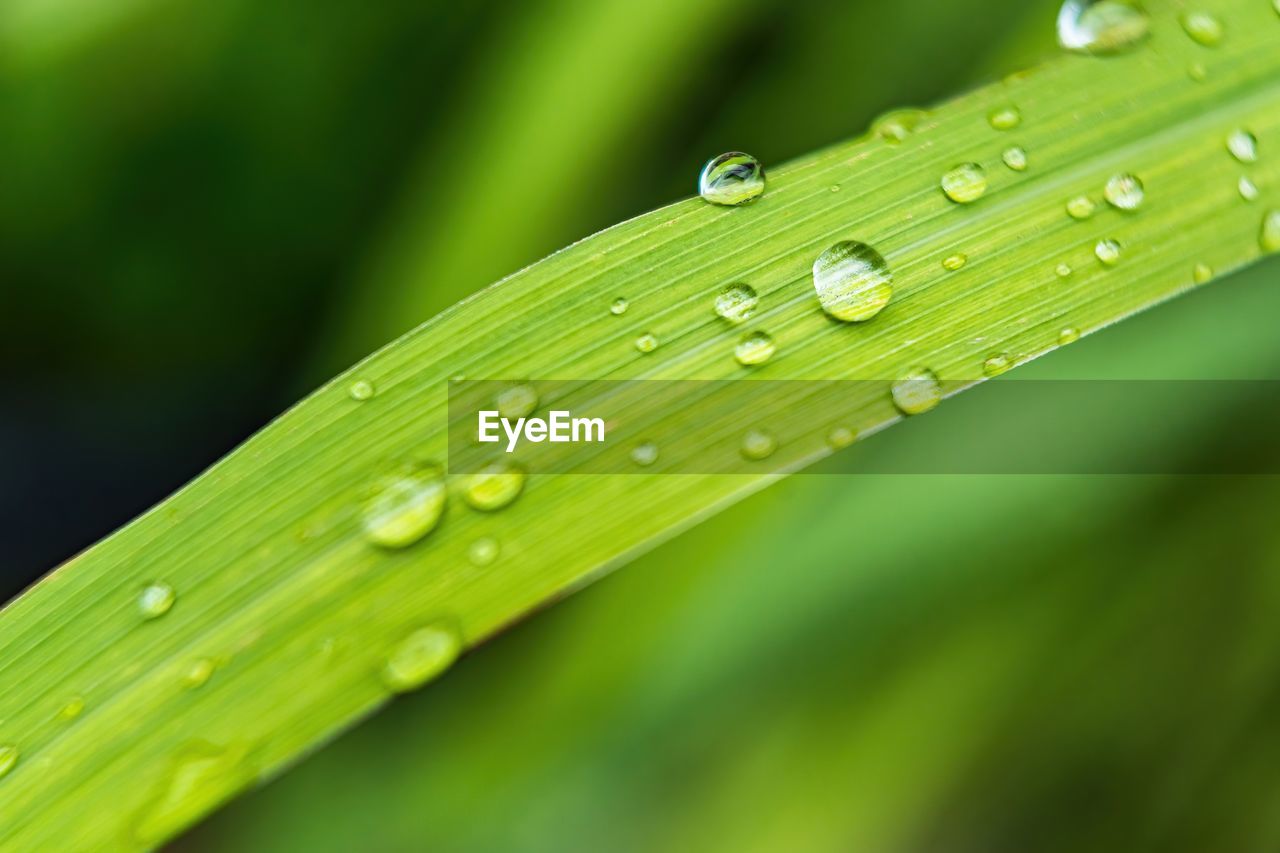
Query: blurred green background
[[207, 208]]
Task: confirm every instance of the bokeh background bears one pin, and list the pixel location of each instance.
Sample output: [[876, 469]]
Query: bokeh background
[[206, 208]]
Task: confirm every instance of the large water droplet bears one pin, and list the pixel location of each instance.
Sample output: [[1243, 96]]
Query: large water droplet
[[996, 364], [1248, 189], [965, 183], [404, 506], [1125, 192], [737, 302], [1108, 251], [493, 486], [731, 179], [758, 444], [1243, 146], [155, 600], [203, 776], [361, 390], [483, 551], [853, 281], [1269, 237], [1101, 26], [517, 402], [755, 348], [421, 657], [1005, 118], [8, 758], [1081, 207], [1015, 157], [894, 127], [1203, 28], [917, 392], [644, 454], [646, 343]]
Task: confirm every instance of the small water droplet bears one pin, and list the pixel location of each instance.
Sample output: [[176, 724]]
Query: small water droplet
[[965, 183], [516, 402], [737, 302], [754, 348], [483, 551], [1269, 237], [619, 306], [1197, 72], [731, 179], [1108, 251], [758, 444], [835, 188], [404, 506], [1063, 270], [1081, 207], [648, 342], [1248, 189], [1015, 158], [421, 657], [840, 437], [1243, 146], [155, 600], [1005, 118], [917, 392], [996, 364], [200, 671], [1101, 27], [494, 486], [894, 127], [73, 708], [1201, 273], [8, 758], [1125, 192], [1203, 28], [955, 262], [853, 281], [361, 390], [644, 454], [1069, 335]]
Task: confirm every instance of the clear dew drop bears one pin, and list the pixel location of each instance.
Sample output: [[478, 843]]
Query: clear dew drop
[[203, 775], [754, 348], [758, 444], [1201, 273], [1081, 207], [73, 708], [1101, 27], [420, 657], [644, 454], [1203, 28], [1069, 335], [8, 758], [1248, 189], [965, 183], [731, 179], [917, 392], [955, 262], [1015, 157], [198, 673], [404, 506], [1005, 118], [493, 487], [647, 343], [155, 600], [361, 390], [1243, 146], [518, 401], [619, 307], [853, 281], [894, 127], [1125, 192], [737, 302], [996, 364], [1269, 236], [483, 551], [1108, 251], [1063, 270]]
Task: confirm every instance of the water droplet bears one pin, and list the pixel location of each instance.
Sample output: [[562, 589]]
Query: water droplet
[[1197, 72], [404, 506], [1063, 270], [516, 402], [853, 281], [965, 183], [1202, 273], [644, 454], [1101, 26], [1269, 237], [493, 486], [73, 708], [1243, 146], [835, 188], [648, 342], [996, 364], [361, 390], [840, 437], [1015, 158], [1069, 335], [758, 444], [203, 776], [619, 306], [483, 551], [8, 758], [155, 600], [955, 262], [917, 392], [1125, 192], [737, 302], [200, 671], [893, 127], [1081, 207], [421, 657], [755, 348], [731, 179], [1108, 251], [1203, 28], [1005, 118], [1248, 189]]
